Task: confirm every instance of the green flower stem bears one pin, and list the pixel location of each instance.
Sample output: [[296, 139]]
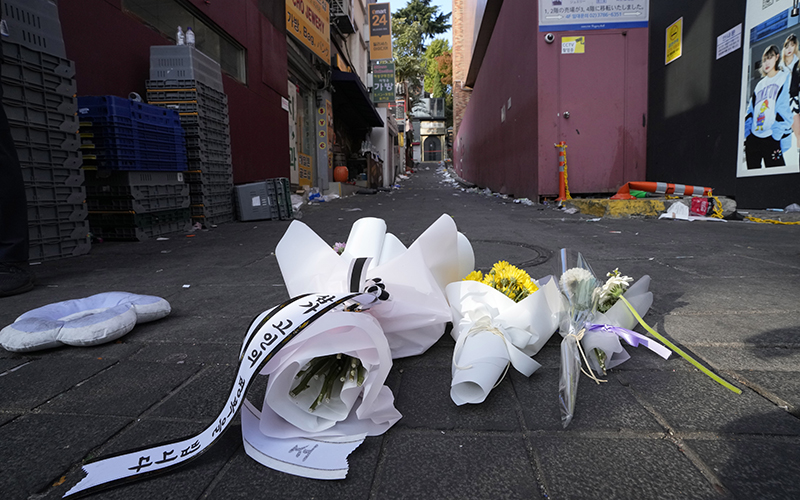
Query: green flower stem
[[679, 351], [335, 367]]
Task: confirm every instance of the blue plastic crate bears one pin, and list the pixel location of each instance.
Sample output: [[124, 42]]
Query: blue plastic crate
[[110, 106]]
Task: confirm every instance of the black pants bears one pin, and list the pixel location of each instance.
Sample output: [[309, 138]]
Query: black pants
[[767, 149], [13, 205]]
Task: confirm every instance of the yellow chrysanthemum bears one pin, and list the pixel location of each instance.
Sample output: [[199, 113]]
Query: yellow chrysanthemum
[[474, 276], [510, 280]]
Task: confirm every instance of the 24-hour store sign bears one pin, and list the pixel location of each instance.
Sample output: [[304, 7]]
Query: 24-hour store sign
[[309, 22], [380, 31]]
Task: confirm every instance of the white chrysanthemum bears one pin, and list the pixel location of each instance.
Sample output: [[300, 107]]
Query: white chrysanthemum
[[611, 290], [579, 284]]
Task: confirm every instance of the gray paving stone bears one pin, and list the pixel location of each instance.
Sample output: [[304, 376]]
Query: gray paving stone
[[39, 380], [779, 359], [753, 467], [203, 398], [424, 400], [180, 352], [762, 329], [606, 407], [455, 465], [127, 389], [38, 449], [624, 468], [693, 402], [785, 385]]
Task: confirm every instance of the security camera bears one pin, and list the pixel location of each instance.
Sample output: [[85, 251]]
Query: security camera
[[549, 38]]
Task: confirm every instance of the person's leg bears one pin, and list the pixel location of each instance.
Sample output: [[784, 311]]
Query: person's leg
[[753, 153], [14, 275]]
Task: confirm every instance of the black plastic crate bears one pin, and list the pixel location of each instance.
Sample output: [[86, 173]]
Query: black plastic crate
[[19, 74], [24, 116], [51, 175], [52, 250], [52, 194], [211, 189], [129, 219], [56, 157], [134, 179], [137, 192], [45, 138], [284, 197], [211, 200], [20, 95], [35, 58], [213, 220], [200, 177], [120, 233], [63, 212], [210, 167], [212, 210], [34, 24], [57, 231], [141, 206]]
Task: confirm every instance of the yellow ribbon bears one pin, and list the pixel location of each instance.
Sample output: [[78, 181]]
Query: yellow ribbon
[[677, 350]]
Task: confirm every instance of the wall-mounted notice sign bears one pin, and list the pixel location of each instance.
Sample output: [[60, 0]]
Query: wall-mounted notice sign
[[573, 45], [729, 41], [573, 15], [674, 41], [380, 31]]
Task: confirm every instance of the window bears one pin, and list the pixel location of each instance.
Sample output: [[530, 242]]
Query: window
[[166, 15]]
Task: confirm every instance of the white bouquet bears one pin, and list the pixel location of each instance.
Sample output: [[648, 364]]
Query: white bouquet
[[499, 320]]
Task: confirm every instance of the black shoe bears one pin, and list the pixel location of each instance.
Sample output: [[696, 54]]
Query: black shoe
[[14, 279]]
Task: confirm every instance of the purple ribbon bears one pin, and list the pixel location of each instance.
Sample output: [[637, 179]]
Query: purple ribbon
[[632, 338]]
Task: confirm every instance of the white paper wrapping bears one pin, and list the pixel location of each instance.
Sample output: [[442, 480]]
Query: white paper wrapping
[[366, 409], [415, 316], [491, 331]]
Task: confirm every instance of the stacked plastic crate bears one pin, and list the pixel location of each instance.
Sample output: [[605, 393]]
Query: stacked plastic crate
[[270, 199], [134, 156], [39, 100], [186, 80]]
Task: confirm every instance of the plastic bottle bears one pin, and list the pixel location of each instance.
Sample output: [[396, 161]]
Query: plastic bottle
[[189, 36], [179, 37]]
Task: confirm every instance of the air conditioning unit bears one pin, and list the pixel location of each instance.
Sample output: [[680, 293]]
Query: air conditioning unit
[[342, 15]]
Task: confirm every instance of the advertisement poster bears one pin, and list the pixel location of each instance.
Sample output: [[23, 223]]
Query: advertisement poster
[[769, 124], [572, 15]]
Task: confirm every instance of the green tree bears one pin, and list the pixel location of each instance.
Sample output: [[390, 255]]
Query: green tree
[[409, 61], [428, 16], [434, 83]]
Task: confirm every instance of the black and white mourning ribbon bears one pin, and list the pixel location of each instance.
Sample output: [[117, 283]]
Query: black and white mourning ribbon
[[268, 333]]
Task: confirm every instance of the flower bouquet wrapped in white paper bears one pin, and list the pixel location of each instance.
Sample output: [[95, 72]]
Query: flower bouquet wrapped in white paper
[[417, 313], [326, 387], [501, 319], [329, 381]]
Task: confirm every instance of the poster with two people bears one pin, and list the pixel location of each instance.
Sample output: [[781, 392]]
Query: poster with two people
[[770, 124]]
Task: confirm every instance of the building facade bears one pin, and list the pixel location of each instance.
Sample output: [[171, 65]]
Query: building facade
[[685, 119], [111, 50]]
